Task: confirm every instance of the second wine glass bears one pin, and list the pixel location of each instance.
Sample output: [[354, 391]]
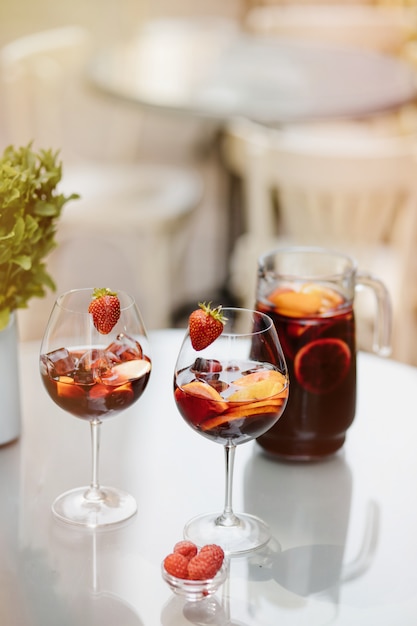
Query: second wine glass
[[231, 392]]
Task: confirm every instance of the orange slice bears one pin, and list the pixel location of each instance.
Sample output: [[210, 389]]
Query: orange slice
[[253, 408], [321, 365], [245, 410], [197, 400], [204, 390], [310, 300], [66, 388], [330, 299], [258, 385], [295, 303]]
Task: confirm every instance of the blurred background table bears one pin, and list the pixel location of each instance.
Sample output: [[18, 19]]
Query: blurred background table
[[143, 139], [344, 547], [213, 69]]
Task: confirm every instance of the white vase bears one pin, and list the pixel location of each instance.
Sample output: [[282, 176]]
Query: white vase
[[9, 383]]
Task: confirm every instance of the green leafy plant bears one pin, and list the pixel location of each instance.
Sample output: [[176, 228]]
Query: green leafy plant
[[30, 206]]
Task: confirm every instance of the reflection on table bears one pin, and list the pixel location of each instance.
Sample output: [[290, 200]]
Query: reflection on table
[[212, 69], [343, 551]]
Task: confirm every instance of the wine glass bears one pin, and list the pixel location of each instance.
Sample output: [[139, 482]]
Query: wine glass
[[94, 376], [231, 392]]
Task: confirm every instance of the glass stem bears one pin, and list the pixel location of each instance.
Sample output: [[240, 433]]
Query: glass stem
[[94, 492], [228, 518]]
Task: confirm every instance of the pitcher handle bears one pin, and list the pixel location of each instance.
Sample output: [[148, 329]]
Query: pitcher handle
[[383, 324]]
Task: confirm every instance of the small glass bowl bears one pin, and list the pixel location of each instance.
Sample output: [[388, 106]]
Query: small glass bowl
[[196, 589]]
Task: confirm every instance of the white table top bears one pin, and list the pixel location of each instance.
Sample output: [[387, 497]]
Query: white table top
[[346, 527], [211, 69]]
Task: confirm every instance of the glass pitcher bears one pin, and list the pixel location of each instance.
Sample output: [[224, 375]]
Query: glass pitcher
[[309, 293]]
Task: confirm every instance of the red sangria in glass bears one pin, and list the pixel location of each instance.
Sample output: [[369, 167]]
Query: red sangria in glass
[[94, 373], [231, 392]]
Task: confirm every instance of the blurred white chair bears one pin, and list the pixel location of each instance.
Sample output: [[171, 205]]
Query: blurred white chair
[[354, 193], [382, 28], [128, 226]]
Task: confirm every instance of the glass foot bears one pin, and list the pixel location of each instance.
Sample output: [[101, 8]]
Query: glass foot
[[250, 533], [109, 506]]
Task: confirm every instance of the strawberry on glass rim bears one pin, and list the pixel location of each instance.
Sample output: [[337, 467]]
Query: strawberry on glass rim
[[205, 325], [105, 309]]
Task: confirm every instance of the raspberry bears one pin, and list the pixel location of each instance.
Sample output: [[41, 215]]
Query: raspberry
[[188, 563], [186, 548], [215, 552], [176, 564], [202, 566]]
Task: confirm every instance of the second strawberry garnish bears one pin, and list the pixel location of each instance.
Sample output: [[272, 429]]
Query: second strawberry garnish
[[105, 309], [205, 325]]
